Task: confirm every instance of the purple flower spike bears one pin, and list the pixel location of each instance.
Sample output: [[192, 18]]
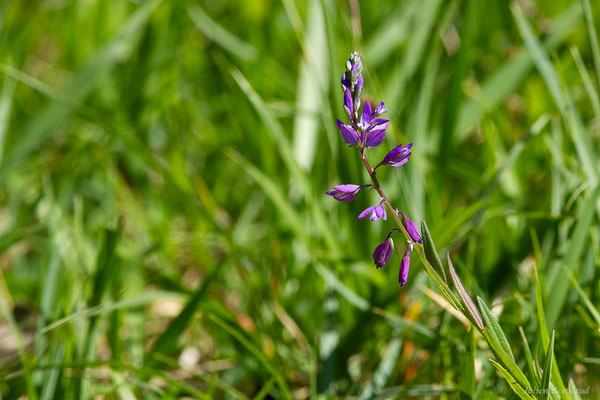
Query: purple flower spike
[[346, 192], [377, 134], [404, 266], [397, 157], [348, 134], [376, 212], [383, 252], [411, 229]]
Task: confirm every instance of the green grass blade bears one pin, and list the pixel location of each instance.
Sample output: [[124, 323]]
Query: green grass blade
[[533, 371], [220, 35], [518, 389], [589, 23], [579, 238], [467, 382], [431, 253], [586, 300], [548, 367]]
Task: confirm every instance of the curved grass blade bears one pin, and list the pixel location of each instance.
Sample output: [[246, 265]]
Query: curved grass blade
[[532, 368]]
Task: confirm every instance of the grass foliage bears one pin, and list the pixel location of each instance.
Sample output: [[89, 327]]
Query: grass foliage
[[164, 231]]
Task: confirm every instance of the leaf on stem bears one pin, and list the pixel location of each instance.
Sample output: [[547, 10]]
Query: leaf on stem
[[464, 296]]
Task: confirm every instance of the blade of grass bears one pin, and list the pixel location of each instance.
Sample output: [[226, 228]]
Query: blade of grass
[[548, 367], [257, 353], [511, 381], [220, 35], [467, 383], [589, 24]]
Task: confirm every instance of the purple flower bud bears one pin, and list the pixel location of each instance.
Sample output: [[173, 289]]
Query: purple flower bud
[[376, 212], [377, 132], [348, 134], [346, 192], [383, 252], [411, 229], [397, 156], [348, 103], [405, 265], [379, 110]]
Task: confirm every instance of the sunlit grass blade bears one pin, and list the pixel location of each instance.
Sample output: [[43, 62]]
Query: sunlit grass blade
[[312, 87], [591, 90]]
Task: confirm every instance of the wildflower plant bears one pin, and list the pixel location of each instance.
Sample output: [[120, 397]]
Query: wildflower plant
[[365, 129]]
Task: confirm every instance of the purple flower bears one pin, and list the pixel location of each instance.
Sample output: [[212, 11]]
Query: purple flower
[[346, 192], [397, 157], [383, 252], [377, 132], [365, 118], [405, 265], [348, 134], [411, 229], [377, 211]]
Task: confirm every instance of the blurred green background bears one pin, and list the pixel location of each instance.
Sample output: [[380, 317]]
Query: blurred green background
[[164, 231]]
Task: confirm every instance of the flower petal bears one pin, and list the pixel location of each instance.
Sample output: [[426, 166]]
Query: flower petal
[[411, 229], [366, 212], [348, 134], [380, 109], [366, 114], [404, 266], [375, 137], [348, 103]]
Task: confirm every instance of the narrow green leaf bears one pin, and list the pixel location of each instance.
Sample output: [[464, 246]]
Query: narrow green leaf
[[431, 253], [467, 383], [586, 300], [490, 322], [548, 367], [505, 359], [532, 368], [518, 389], [464, 295]]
